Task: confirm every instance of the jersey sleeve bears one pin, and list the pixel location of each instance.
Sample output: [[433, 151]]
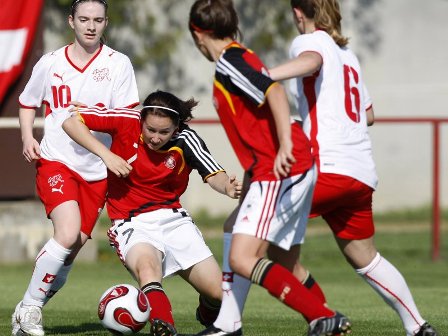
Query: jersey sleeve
[[34, 92], [302, 43], [246, 73], [197, 155], [108, 120], [126, 93]]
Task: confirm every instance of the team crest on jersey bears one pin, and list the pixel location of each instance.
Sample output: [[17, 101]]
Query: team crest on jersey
[[170, 161], [101, 74]]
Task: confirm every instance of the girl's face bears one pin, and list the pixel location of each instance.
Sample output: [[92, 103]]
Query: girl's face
[[89, 23], [157, 130]]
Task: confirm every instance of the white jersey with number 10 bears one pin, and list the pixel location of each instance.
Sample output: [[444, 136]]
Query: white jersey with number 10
[[108, 80]]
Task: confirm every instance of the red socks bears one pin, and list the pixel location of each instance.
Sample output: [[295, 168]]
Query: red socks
[[159, 303]]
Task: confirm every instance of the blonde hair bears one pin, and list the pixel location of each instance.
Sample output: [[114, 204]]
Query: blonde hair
[[326, 15]]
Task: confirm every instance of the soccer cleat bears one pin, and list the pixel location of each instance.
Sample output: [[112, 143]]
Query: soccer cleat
[[330, 326], [27, 320], [15, 326], [213, 331], [162, 328], [426, 330]]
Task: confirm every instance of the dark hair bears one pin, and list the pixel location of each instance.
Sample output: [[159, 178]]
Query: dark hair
[[179, 111], [76, 3], [326, 15], [217, 17]]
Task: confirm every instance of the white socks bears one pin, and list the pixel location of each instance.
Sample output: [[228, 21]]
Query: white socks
[[234, 293], [390, 284], [49, 263]]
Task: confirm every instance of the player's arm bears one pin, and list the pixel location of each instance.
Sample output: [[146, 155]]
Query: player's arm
[[80, 133], [31, 148], [225, 184], [303, 65], [370, 116], [278, 102]]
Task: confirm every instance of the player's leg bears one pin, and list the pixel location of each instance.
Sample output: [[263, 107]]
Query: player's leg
[[144, 261], [140, 246], [385, 279], [235, 288], [351, 221], [91, 198], [287, 260], [205, 277], [49, 262]]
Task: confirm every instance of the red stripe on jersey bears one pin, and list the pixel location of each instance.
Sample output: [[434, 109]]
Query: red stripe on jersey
[[309, 85], [47, 108], [87, 65]]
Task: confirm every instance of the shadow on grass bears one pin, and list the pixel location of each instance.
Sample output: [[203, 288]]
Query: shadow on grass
[[82, 329]]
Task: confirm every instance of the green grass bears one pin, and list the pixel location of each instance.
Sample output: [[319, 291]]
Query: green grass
[[73, 311]]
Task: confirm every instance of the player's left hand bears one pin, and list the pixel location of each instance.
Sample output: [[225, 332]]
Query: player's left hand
[[234, 187], [284, 160]]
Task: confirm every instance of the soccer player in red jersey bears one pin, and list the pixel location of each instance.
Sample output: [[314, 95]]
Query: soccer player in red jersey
[[336, 108], [70, 181], [152, 154], [276, 154]]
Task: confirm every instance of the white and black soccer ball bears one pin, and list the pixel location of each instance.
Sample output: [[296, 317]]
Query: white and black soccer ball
[[123, 309]]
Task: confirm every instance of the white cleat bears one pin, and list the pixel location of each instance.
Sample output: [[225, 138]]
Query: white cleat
[[27, 321], [15, 326]]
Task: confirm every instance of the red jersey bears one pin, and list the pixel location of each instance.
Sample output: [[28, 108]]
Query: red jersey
[[158, 178], [240, 88]]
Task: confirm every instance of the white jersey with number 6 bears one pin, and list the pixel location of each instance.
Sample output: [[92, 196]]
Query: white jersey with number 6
[[107, 80], [332, 105]]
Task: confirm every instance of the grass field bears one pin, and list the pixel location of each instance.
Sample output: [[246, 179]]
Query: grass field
[[73, 311]]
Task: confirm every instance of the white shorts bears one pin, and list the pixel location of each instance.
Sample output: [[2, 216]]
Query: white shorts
[[277, 211], [171, 231]]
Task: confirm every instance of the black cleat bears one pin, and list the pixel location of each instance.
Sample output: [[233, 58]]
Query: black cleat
[[162, 328], [213, 331], [336, 325], [426, 330]]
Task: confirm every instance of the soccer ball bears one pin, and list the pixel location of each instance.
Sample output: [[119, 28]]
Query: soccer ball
[[123, 309]]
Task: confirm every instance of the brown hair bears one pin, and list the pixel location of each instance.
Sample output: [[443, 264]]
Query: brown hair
[[326, 15], [76, 3], [179, 111], [217, 17]]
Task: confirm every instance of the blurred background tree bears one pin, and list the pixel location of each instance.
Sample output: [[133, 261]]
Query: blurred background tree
[[150, 32]]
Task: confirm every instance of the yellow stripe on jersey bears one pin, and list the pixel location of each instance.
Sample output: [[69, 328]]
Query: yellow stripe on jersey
[[226, 94], [266, 94], [180, 151]]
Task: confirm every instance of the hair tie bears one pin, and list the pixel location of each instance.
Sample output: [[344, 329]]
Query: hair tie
[[200, 30], [161, 107]]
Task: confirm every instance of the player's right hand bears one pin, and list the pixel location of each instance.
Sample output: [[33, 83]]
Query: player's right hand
[[117, 165], [31, 150]]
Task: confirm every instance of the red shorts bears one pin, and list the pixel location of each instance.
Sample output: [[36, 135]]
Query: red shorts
[[56, 184], [345, 204]]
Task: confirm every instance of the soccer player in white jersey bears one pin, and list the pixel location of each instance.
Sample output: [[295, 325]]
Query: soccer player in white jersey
[[71, 181], [336, 109]]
